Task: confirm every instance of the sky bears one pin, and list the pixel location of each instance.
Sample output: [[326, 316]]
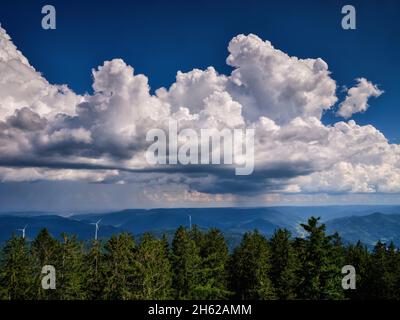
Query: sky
[[323, 101]]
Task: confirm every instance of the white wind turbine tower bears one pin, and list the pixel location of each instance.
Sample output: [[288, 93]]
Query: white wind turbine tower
[[190, 222], [23, 231], [97, 228]]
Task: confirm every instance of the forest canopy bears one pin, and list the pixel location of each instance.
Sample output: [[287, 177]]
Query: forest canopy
[[197, 264]]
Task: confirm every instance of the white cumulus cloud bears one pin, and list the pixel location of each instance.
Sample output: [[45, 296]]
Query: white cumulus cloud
[[47, 132], [357, 98]]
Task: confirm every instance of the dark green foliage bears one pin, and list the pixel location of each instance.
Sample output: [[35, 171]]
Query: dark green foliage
[[120, 269], [213, 268], [392, 273], [358, 256], [45, 250], [284, 265], [186, 265], [69, 277], [154, 267], [198, 265], [94, 272], [321, 262], [16, 271], [250, 268], [382, 273]]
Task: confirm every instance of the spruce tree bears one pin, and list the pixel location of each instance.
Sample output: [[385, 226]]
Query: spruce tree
[[70, 275], [154, 269], [120, 268], [45, 250], [185, 265], [358, 256], [250, 267], [16, 281], [214, 258], [284, 265], [320, 273], [94, 272], [392, 275], [378, 270]]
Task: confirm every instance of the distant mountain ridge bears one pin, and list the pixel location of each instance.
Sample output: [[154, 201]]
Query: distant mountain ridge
[[235, 219], [362, 224], [55, 224], [368, 229]]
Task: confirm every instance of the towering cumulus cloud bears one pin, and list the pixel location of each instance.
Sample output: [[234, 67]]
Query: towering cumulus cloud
[[47, 132], [270, 83]]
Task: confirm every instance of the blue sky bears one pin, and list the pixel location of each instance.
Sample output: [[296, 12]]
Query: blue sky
[[158, 38]]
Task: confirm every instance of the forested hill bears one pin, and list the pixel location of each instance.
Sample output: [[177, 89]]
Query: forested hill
[[369, 229]]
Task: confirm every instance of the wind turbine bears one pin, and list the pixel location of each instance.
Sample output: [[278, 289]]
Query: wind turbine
[[23, 231], [190, 222], [97, 228]]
